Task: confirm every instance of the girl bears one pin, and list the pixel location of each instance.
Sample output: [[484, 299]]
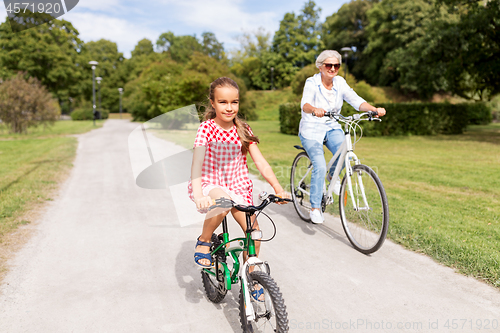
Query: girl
[[219, 166]]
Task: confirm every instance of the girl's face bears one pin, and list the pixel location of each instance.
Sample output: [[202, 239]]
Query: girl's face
[[226, 103]]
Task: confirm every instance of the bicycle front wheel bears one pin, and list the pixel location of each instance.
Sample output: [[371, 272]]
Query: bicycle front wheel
[[300, 185], [269, 308], [365, 214]]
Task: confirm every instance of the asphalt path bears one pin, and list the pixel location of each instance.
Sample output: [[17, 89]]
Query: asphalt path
[[109, 256]]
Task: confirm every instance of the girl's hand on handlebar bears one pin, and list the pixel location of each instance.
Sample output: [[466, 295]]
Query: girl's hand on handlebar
[[284, 195], [203, 203]]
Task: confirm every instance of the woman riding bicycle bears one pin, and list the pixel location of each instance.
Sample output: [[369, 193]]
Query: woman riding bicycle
[[324, 92]]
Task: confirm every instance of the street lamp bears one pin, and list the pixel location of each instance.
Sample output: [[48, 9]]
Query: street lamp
[[93, 64], [272, 74], [99, 79], [346, 51], [120, 90]]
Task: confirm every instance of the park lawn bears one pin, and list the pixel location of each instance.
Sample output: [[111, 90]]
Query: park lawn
[[268, 102], [31, 167], [443, 191]]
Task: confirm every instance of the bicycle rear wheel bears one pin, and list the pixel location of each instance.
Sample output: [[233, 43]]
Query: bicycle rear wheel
[[366, 221], [300, 185], [270, 315], [216, 290]]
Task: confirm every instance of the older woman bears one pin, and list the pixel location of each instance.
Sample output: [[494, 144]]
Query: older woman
[[323, 92]]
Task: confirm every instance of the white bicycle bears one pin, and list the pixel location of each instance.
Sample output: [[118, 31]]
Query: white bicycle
[[363, 206]]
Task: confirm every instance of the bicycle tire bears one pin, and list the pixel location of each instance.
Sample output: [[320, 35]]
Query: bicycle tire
[[274, 319], [367, 228], [301, 200], [215, 290]]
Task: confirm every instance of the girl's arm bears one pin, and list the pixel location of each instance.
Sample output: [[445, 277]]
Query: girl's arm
[[266, 171], [200, 200]]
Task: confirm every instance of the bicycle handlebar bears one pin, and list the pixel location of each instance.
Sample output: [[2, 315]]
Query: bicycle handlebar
[[228, 203], [357, 116]]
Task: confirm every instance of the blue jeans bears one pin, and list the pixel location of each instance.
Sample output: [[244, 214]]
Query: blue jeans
[[333, 141]]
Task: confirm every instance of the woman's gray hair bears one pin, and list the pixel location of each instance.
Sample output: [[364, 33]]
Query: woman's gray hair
[[327, 54]]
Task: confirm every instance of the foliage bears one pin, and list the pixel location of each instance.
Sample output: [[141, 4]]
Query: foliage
[[143, 47], [181, 48], [167, 85], [297, 40], [347, 27], [300, 78], [48, 52], [26, 103], [88, 114], [290, 118], [110, 66]]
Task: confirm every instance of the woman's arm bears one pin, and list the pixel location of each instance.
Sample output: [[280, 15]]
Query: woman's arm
[[367, 107], [318, 112], [200, 200], [266, 171]]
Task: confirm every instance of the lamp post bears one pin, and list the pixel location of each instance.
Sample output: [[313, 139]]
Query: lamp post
[[99, 79], [346, 51], [120, 90], [93, 64], [272, 75]]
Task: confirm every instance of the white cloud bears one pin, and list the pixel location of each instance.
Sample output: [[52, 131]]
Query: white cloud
[[126, 34]]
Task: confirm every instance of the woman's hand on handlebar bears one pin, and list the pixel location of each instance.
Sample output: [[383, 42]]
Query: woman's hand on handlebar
[[317, 112], [380, 112]]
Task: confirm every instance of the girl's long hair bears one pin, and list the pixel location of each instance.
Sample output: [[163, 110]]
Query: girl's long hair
[[241, 126]]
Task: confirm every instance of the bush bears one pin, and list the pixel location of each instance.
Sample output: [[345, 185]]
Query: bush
[[87, 114], [290, 118], [479, 114], [405, 118], [26, 103]]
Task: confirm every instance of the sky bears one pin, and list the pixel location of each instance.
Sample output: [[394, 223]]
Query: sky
[[126, 22]]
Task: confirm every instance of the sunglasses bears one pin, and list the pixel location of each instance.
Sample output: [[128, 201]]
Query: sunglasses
[[329, 66]]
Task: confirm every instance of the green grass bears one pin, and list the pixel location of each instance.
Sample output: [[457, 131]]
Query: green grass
[[31, 167], [443, 191], [268, 102]]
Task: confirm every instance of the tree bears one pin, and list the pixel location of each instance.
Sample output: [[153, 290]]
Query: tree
[[47, 52], [298, 39], [143, 47], [347, 27], [167, 85], [211, 46], [26, 103], [179, 48], [110, 62]]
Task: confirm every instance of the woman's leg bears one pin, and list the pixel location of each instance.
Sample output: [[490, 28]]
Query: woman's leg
[[334, 139], [212, 221], [317, 155]]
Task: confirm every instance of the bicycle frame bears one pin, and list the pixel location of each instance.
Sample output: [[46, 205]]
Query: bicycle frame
[[345, 154], [236, 247]]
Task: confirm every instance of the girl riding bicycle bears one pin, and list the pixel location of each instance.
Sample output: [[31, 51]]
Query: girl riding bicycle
[[219, 167]]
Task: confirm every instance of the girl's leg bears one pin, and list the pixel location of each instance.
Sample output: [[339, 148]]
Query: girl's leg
[[317, 155], [334, 139], [211, 223]]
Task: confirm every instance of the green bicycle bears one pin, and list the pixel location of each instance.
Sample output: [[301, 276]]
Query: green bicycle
[[258, 313]]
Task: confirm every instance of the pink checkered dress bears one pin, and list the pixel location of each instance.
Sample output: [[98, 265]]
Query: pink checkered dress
[[224, 166]]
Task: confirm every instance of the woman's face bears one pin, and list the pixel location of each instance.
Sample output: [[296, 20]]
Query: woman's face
[[330, 68], [226, 104]]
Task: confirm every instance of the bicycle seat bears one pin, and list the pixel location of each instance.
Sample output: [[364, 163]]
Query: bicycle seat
[[299, 147]]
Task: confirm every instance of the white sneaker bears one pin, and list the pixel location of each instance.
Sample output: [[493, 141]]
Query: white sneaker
[[316, 216], [336, 187]]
